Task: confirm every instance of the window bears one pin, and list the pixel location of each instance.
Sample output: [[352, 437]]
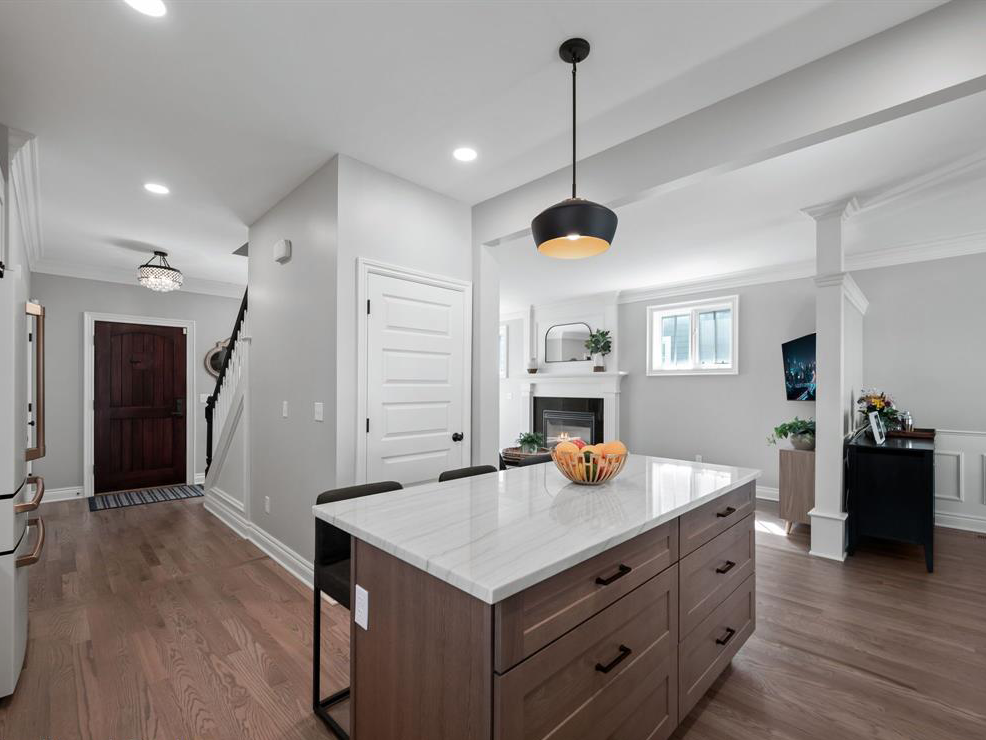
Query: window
[[694, 338]]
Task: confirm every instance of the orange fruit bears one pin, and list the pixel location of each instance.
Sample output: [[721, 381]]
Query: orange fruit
[[566, 448], [614, 447]]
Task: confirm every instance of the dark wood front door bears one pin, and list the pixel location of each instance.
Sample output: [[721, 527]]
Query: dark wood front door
[[139, 406]]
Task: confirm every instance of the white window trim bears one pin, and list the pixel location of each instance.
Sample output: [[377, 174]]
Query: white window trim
[[694, 307]]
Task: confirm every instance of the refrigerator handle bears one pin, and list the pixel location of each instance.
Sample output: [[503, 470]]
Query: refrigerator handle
[[38, 312], [38, 547], [39, 493]]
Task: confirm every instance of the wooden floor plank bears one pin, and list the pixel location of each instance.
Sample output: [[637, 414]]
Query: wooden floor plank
[[159, 622]]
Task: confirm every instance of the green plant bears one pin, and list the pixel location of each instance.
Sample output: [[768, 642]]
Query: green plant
[[531, 439], [599, 342], [796, 427]]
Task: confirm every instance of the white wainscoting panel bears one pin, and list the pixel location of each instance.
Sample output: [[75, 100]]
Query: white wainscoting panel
[[960, 489]]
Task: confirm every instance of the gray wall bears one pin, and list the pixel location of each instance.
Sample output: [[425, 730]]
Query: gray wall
[[513, 420], [390, 220], [65, 301], [924, 339], [724, 418], [292, 319]]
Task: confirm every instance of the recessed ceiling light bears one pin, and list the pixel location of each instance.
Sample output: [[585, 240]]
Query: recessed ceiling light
[[156, 188], [153, 8], [464, 154]]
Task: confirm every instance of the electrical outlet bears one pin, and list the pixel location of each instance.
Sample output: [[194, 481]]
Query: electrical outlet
[[267, 504], [319, 411], [284, 409], [698, 458], [361, 614]]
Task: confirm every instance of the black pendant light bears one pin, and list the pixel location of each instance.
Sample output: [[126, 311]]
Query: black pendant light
[[575, 227]]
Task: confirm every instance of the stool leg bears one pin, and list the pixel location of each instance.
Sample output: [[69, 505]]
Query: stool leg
[[321, 706]]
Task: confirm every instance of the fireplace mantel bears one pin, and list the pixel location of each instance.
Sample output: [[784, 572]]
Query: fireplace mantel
[[604, 385]]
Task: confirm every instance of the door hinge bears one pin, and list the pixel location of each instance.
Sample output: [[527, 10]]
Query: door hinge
[[367, 306], [184, 330], [367, 424], [30, 336], [30, 406]]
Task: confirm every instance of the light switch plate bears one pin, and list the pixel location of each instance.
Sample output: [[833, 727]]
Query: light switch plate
[[284, 409], [361, 615], [319, 411]]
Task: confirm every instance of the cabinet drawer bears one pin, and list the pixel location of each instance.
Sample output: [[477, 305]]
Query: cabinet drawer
[[529, 620], [701, 525], [614, 675], [704, 653], [713, 571]]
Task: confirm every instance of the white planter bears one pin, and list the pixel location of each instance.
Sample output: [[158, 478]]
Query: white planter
[[598, 362]]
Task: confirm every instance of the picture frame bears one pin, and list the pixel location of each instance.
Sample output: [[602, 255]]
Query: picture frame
[[877, 428]]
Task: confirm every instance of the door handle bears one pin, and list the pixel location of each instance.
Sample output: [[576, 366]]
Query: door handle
[[39, 493], [179, 407], [458, 436]]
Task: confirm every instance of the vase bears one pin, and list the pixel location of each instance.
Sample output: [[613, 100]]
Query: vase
[[598, 363], [803, 441], [529, 449]]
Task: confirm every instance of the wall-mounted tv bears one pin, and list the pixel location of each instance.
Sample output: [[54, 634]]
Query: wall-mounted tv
[[799, 368]]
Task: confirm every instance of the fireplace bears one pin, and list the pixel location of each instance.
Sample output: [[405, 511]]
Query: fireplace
[[574, 417]]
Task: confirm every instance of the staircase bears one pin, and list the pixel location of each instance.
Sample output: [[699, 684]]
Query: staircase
[[226, 476]]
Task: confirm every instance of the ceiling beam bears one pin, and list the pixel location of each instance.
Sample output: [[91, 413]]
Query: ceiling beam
[[933, 59]]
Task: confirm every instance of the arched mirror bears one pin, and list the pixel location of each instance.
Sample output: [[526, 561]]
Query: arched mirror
[[566, 343]]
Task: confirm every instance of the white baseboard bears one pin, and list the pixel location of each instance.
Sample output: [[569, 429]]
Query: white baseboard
[[768, 493], [280, 553], [54, 495], [230, 501], [967, 522]]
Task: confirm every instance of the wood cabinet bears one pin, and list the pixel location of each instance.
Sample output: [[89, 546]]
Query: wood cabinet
[[622, 645], [796, 494]]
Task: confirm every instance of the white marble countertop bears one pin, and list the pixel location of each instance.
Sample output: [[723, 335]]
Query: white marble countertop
[[494, 535]]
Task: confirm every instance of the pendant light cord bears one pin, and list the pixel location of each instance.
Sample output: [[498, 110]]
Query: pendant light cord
[[574, 65]]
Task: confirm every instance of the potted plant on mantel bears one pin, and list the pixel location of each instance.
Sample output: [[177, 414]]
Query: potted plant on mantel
[[531, 442], [599, 345], [801, 432]]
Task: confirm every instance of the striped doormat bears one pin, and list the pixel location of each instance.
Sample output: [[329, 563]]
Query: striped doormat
[[104, 501]]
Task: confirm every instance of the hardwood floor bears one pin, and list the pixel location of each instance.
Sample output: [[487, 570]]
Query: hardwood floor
[[158, 622]]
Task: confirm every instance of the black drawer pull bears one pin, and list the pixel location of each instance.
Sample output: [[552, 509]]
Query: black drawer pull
[[623, 570], [727, 567], [729, 636], [722, 514], [624, 652]]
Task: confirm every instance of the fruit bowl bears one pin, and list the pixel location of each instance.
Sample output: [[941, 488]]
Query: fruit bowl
[[589, 468]]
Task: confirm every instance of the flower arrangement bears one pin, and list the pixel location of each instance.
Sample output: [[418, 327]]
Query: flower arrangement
[[801, 432], [880, 402]]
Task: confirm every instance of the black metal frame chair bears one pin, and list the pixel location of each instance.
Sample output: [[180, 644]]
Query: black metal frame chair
[[332, 575], [465, 472]]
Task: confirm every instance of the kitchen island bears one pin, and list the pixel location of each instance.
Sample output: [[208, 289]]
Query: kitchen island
[[518, 605]]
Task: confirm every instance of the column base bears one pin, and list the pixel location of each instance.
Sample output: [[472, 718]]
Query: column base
[[828, 534]]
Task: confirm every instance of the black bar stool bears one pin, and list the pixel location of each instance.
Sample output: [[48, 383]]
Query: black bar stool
[[332, 562], [465, 472]]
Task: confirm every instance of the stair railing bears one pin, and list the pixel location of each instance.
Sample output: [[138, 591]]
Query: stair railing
[[215, 409]]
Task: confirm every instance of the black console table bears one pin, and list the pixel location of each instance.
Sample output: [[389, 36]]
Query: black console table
[[890, 491]]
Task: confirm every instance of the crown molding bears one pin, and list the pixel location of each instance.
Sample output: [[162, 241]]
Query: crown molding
[[25, 182], [840, 207], [854, 294], [726, 281], [16, 139], [973, 166], [128, 277], [923, 251]]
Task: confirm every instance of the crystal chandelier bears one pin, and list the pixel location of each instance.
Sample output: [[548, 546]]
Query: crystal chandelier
[[159, 276]]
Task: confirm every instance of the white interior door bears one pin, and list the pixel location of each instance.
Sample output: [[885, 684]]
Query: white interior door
[[416, 384]]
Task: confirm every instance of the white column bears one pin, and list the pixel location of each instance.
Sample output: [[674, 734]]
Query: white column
[[828, 519]]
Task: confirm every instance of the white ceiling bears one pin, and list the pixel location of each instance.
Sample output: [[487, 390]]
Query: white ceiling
[[232, 105], [751, 218]]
